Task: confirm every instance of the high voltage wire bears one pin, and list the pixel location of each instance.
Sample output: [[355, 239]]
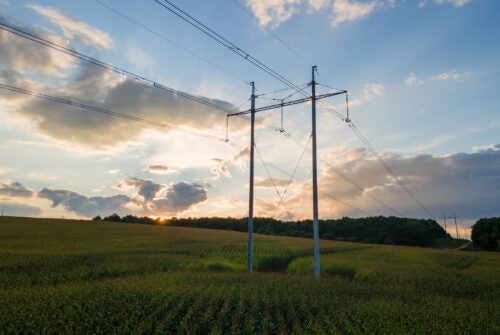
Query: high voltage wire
[[108, 112], [200, 26], [270, 177], [286, 45], [143, 80], [390, 170], [110, 67], [352, 182], [234, 48], [163, 37], [223, 41]]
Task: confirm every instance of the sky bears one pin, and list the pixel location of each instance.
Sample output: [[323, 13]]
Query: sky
[[422, 78]]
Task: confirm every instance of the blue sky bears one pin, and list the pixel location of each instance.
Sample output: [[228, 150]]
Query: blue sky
[[422, 76]]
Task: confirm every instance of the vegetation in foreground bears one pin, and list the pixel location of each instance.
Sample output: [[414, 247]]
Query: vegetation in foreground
[[61, 276]]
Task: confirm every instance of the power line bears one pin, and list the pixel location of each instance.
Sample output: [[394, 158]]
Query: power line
[[389, 169], [345, 203], [286, 45], [362, 189], [349, 180], [110, 67], [166, 39], [123, 72], [108, 112], [223, 41], [270, 177]]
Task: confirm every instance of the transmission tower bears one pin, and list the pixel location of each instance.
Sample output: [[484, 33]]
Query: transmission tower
[[313, 98]]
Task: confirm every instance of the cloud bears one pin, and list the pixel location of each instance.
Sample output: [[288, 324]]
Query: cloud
[[345, 11], [273, 12], [18, 209], [271, 183], [220, 169], [241, 159], [94, 129], [20, 56], [180, 197], [372, 90], [145, 188], [88, 84], [86, 206], [455, 3], [74, 29], [467, 184], [11, 189], [451, 75], [158, 169]]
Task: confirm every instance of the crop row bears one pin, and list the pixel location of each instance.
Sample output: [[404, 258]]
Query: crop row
[[232, 303]]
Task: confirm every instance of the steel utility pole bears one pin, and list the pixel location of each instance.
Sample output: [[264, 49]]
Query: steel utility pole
[[250, 201], [315, 179], [253, 111]]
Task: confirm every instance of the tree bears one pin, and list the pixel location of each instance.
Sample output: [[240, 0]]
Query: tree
[[486, 233], [97, 218], [113, 218]]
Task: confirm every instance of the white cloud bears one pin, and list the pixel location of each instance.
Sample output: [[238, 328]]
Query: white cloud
[[372, 90], [411, 80], [75, 29], [345, 11], [456, 3], [319, 4], [452, 75], [19, 56], [220, 169], [140, 60], [273, 12]]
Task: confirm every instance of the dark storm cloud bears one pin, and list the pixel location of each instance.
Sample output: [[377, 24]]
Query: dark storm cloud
[[10, 189], [145, 188], [180, 197], [86, 206]]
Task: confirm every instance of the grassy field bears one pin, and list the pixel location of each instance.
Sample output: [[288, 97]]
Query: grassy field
[[79, 277]]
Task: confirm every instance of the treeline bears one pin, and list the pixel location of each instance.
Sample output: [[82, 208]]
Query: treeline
[[380, 229], [486, 234]]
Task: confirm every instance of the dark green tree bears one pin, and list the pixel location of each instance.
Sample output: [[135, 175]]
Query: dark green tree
[[486, 233]]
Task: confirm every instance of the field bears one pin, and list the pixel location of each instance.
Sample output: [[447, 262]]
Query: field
[[79, 277]]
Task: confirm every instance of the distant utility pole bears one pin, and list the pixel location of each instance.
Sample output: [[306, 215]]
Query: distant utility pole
[[456, 227], [250, 201], [313, 98], [444, 218], [315, 178]]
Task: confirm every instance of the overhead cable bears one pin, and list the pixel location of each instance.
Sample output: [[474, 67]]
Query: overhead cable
[[166, 39], [109, 112], [110, 67]]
